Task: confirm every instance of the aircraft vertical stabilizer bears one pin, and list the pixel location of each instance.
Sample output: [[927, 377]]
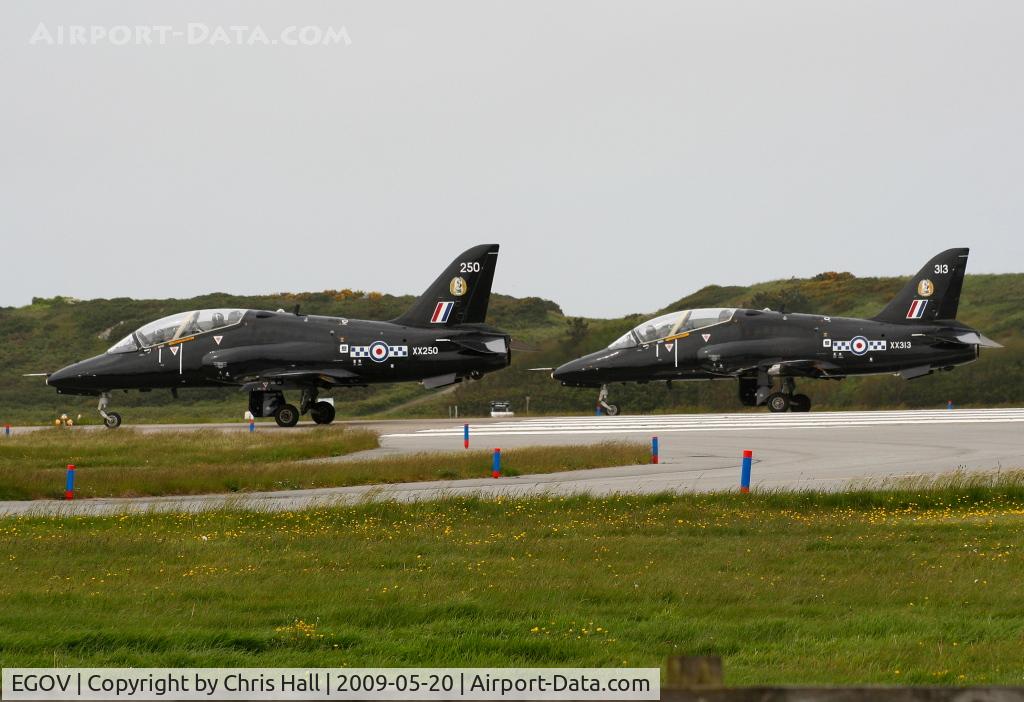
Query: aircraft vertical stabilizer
[[459, 295], [934, 293]]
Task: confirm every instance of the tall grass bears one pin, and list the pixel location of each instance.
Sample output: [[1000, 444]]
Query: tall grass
[[132, 463]]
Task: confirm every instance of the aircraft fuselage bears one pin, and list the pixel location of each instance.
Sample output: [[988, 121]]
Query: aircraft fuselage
[[325, 351], [796, 345]]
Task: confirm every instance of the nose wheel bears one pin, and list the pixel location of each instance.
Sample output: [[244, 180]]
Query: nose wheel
[[603, 405], [111, 420]]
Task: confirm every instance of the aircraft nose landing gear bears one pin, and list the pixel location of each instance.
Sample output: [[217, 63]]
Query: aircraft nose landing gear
[[603, 404], [112, 420]]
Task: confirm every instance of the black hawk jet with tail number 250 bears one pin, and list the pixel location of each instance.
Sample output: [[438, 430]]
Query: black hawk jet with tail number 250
[[440, 340], [916, 334]]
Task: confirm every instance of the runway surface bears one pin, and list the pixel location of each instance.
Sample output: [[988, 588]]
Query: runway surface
[[699, 452], [664, 424]]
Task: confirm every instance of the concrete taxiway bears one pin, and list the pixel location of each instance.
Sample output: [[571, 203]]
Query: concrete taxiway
[[699, 452]]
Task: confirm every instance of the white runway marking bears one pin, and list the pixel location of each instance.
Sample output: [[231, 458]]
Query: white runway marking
[[567, 426]]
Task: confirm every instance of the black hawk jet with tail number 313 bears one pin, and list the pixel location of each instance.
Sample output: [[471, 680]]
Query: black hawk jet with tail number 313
[[915, 335], [440, 340]]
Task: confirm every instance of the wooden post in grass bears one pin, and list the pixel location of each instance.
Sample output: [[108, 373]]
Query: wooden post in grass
[[693, 671]]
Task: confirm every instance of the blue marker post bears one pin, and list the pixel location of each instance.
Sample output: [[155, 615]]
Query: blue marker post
[[949, 404], [748, 458], [654, 449], [69, 485], [7, 429], [252, 425], [465, 436], [496, 464]]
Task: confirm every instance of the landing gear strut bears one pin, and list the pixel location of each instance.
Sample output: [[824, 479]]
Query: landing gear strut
[[319, 411], [271, 403], [603, 404], [112, 420], [762, 392]]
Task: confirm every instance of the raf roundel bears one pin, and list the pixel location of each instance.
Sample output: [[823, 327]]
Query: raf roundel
[[859, 345], [379, 351]]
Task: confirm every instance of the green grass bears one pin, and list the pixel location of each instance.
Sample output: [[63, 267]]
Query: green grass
[[129, 463], [913, 585]]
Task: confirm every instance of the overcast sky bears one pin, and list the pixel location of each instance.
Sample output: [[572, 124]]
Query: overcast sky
[[622, 153]]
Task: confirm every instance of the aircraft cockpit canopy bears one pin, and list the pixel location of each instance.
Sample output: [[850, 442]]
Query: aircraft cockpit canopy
[[178, 326], [671, 324]]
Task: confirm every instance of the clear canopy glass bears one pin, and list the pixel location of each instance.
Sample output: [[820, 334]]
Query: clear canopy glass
[[183, 324], [125, 345], [673, 323]]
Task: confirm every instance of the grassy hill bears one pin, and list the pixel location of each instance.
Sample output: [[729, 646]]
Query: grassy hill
[[52, 332]]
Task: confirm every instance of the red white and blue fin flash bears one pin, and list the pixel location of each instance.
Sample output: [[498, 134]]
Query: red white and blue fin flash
[[916, 310], [442, 312]]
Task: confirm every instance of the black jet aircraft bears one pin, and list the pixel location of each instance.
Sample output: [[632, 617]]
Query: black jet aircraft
[[439, 341], [915, 335]]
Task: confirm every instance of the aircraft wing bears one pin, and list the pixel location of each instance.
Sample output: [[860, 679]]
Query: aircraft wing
[[320, 376], [808, 367]]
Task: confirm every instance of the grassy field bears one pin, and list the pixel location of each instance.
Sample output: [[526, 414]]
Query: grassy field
[[130, 463], [916, 585]]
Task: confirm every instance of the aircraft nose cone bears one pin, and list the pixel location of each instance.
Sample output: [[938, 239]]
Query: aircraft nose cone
[[78, 376], [59, 378], [568, 371]]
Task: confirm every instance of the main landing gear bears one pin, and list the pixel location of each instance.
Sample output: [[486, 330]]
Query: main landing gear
[[760, 391], [319, 411], [111, 420], [271, 403], [603, 404]]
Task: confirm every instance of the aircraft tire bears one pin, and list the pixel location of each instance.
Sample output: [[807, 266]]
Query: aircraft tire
[[800, 403], [286, 416], [611, 410], [322, 412], [778, 402], [112, 420]]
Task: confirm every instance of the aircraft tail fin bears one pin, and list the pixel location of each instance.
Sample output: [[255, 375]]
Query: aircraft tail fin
[[934, 293], [459, 295]]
